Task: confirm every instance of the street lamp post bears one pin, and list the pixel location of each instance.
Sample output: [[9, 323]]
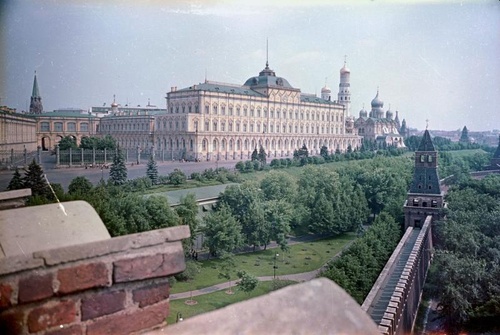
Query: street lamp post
[[275, 267]]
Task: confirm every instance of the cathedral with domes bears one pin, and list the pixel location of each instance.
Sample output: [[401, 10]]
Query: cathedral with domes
[[382, 128]]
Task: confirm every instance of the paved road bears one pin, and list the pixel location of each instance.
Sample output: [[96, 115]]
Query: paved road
[[64, 176]]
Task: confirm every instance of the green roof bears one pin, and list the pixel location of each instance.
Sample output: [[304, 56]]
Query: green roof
[[222, 88], [67, 114], [36, 92]]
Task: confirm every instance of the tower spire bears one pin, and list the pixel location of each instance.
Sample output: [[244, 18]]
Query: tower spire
[[267, 53], [36, 106]]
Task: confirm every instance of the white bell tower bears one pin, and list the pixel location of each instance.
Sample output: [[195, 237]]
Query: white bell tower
[[344, 96]]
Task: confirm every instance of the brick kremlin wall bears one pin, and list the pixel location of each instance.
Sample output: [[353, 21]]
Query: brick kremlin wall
[[115, 286]]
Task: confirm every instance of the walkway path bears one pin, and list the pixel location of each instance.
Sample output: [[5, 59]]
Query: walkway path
[[298, 277]]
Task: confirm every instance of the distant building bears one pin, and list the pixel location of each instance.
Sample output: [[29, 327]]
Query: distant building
[[380, 127], [132, 127], [17, 133], [212, 121]]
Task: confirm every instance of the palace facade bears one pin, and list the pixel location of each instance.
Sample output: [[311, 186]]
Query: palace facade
[[220, 121]]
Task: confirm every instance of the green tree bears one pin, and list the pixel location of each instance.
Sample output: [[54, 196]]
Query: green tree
[[16, 183], [89, 143], [160, 213], [67, 142], [262, 155], [177, 177], [255, 155], [247, 282], [34, 179], [222, 231], [152, 170], [188, 214], [324, 152], [278, 185], [79, 185], [118, 170]]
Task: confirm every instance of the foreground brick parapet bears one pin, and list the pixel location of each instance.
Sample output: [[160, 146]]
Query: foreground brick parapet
[[115, 286]]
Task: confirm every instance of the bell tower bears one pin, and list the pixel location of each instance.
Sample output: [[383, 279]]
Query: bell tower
[[344, 95], [425, 196]]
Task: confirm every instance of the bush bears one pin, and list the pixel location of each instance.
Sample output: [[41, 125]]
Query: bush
[[276, 163], [240, 166], [177, 177], [197, 176], [209, 174]]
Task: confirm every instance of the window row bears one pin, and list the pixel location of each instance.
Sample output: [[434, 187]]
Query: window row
[[59, 126], [258, 128], [124, 126], [245, 111]]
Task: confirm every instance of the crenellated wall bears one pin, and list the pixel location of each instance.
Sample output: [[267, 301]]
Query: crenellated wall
[[409, 263], [115, 286]]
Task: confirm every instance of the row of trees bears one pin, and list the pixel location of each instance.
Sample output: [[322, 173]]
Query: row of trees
[[464, 276], [99, 143], [359, 266], [301, 157], [320, 200]]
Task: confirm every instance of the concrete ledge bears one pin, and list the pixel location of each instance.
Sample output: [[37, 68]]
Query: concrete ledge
[[113, 245], [316, 307], [90, 250]]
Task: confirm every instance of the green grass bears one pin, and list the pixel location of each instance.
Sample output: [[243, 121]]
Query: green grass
[[467, 152], [302, 257], [212, 301]]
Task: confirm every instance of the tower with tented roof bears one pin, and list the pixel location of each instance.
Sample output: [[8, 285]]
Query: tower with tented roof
[[425, 196], [36, 106]]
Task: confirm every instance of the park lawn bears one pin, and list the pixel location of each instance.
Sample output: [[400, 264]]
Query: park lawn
[[467, 152], [302, 257], [216, 300]]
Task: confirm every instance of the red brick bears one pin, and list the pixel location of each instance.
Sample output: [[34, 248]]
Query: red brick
[[12, 322], [102, 304], [151, 294], [71, 330], [35, 288], [83, 277], [148, 267], [54, 313], [145, 318], [5, 295]]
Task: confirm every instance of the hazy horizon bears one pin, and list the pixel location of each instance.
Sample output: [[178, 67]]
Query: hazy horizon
[[435, 60]]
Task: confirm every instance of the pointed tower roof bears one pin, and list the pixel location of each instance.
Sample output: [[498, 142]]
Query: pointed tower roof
[[426, 143], [36, 92]]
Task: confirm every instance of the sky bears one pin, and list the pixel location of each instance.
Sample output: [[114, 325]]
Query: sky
[[430, 60]]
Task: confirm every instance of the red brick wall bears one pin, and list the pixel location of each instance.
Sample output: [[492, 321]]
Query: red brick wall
[[116, 286]]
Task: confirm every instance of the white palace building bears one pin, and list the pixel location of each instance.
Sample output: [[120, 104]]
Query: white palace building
[[220, 121]]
